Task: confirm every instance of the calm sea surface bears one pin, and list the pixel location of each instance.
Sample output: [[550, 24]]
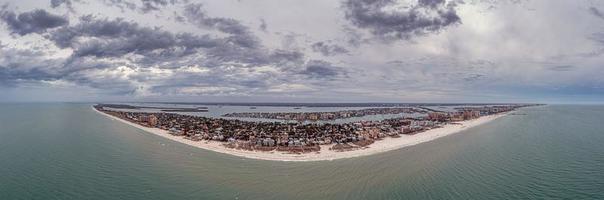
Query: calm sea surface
[[67, 151]]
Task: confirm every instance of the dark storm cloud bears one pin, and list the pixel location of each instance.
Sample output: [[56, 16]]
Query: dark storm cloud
[[36, 21], [115, 38], [425, 17], [596, 12], [328, 49], [104, 38]]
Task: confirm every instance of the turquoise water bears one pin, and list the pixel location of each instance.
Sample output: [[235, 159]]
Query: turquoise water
[[67, 151]]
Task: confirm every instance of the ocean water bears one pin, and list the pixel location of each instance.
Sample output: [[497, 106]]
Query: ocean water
[[67, 151]]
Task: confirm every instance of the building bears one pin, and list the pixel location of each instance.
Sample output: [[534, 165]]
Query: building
[[456, 117], [470, 114], [406, 129], [437, 116], [151, 120]]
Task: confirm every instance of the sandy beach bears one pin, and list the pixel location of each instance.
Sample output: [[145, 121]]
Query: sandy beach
[[383, 145]]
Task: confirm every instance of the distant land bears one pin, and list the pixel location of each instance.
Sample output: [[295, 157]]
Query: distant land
[[301, 104], [296, 141]]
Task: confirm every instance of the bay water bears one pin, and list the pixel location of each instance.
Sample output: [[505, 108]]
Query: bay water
[[68, 151]]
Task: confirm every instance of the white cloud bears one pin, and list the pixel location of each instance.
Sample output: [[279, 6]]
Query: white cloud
[[290, 88]]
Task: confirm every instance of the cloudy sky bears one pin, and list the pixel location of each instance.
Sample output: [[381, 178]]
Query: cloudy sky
[[302, 50]]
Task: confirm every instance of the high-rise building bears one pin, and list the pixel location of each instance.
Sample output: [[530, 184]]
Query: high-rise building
[[151, 120], [437, 116]]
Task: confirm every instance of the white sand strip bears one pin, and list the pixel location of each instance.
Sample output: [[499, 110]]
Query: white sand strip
[[386, 144]]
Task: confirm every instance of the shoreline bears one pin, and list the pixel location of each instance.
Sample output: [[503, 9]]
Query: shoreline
[[379, 146]]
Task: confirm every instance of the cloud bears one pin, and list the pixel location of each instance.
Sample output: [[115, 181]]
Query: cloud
[[293, 87], [159, 48], [121, 4], [318, 69], [561, 68], [57, 3], [142, 6], [263, 26], [196, 15], [125, 58], [387, 20], [596, 12], [21, 65], [116, 38], [328, 49], [36, 21], [152, 5], [240, 34], [473, 77]]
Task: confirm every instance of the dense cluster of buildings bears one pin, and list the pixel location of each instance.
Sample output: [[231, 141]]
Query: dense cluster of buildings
[[467, 113], [296, 137], [315, 116]]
